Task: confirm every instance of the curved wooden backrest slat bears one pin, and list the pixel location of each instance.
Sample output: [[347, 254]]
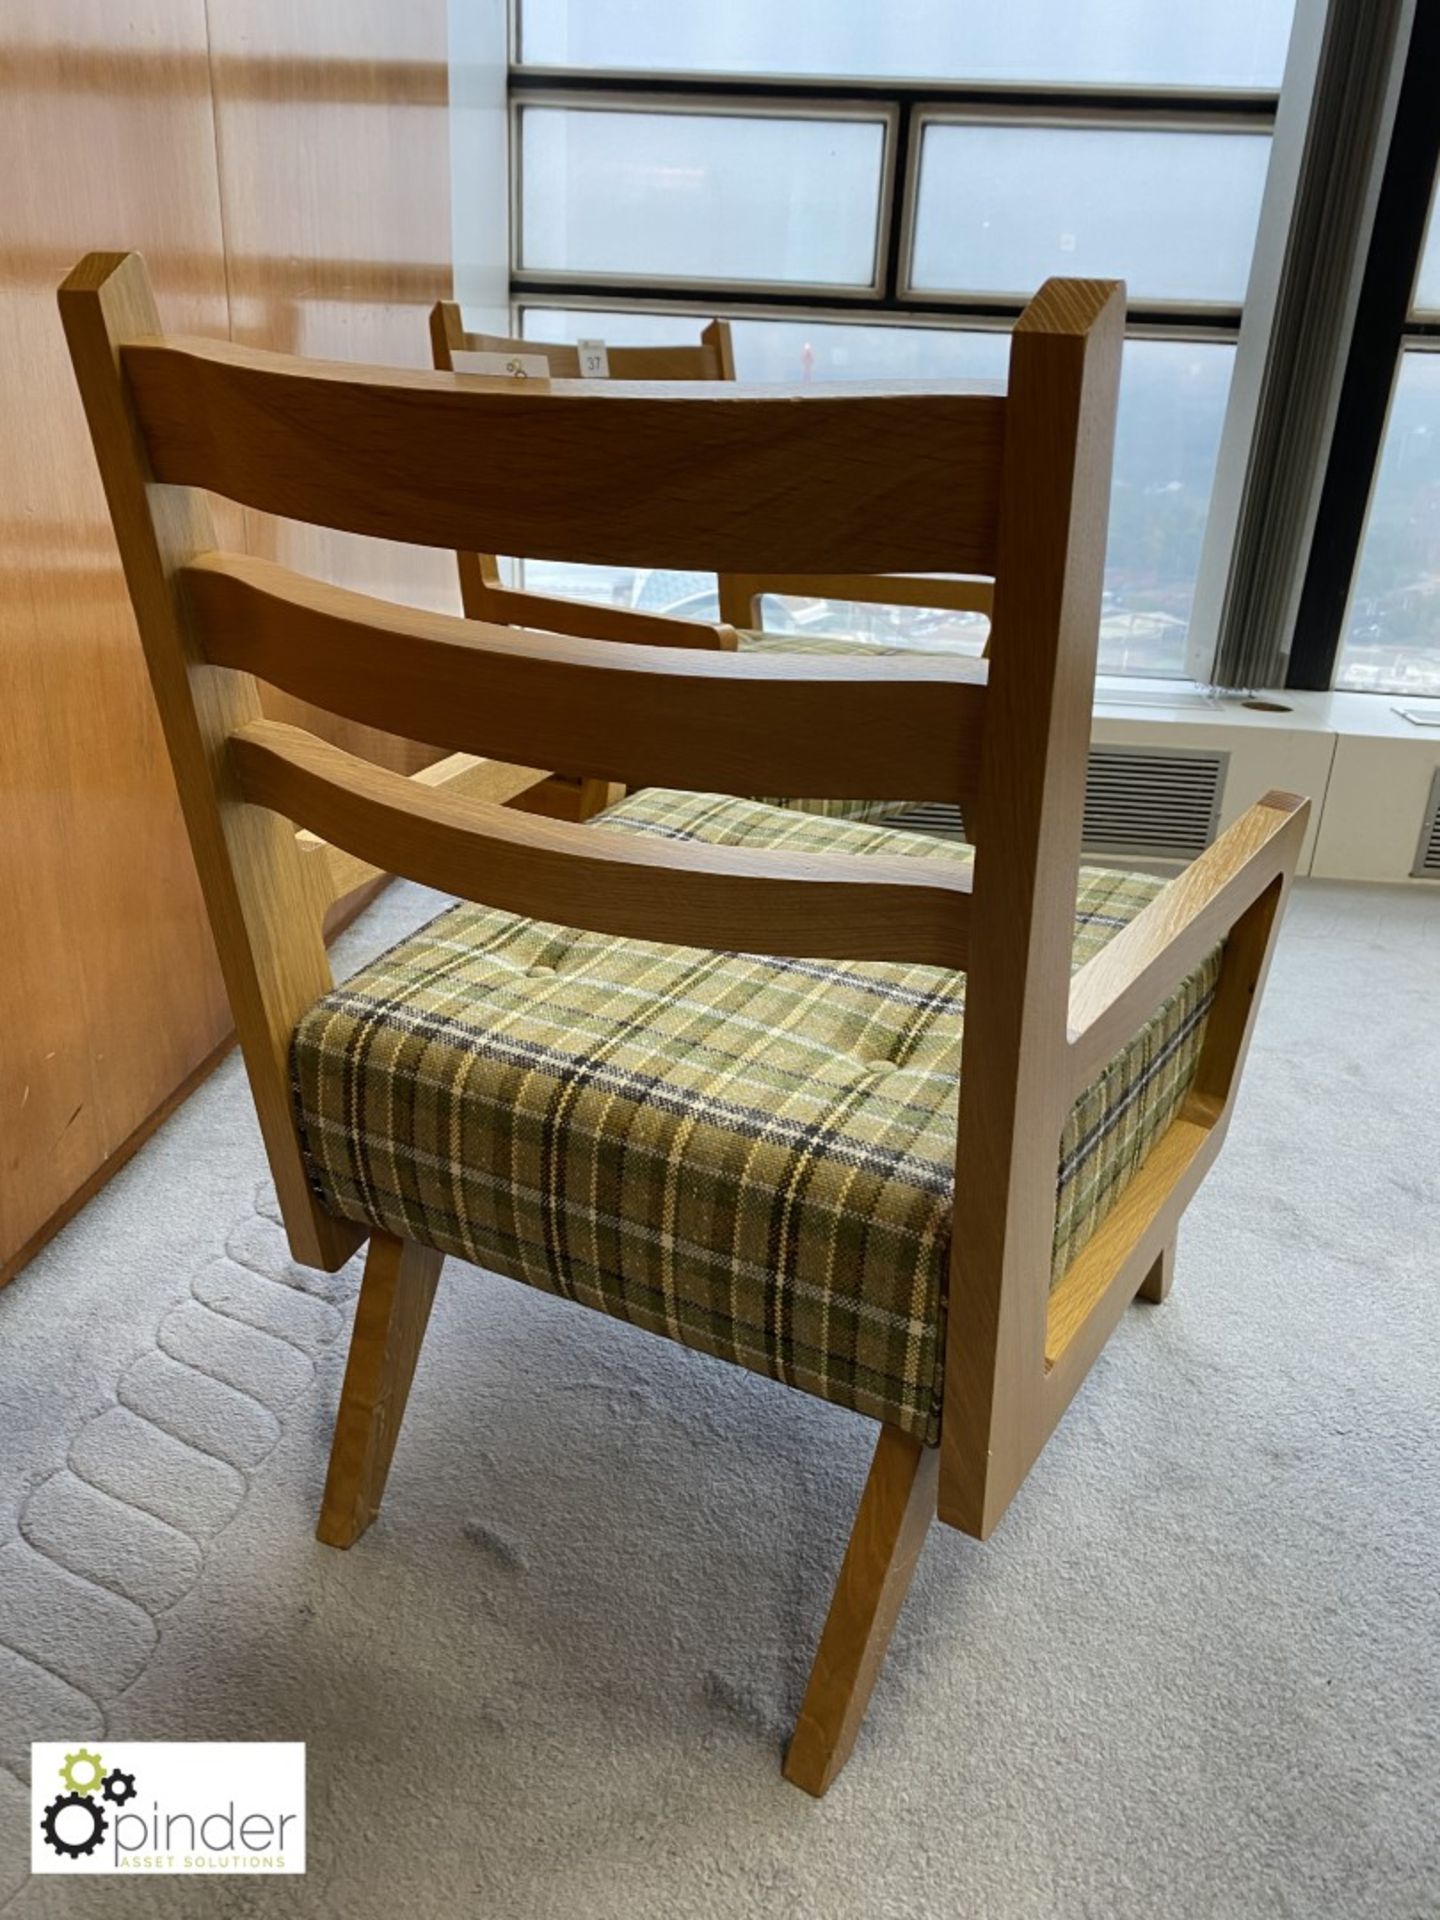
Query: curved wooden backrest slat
[[626, 363], [699, 476], [712, 357], [730, 899], [646, 716]]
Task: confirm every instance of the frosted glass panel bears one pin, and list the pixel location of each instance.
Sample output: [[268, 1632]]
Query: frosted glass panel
[[1392, 637], [1172, 407], [1003, 207], [1167, 441], [1222, 43], [700, 197], [791, 350]]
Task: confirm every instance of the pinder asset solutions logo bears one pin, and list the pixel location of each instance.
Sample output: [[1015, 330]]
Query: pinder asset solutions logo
[[168, 1807]]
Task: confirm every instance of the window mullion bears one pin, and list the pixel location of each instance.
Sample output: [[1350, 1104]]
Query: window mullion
[[1337, 110], [1381, 324]]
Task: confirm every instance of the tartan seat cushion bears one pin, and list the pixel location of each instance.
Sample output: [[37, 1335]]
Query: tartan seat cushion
[[755, 642], [752, 1156]]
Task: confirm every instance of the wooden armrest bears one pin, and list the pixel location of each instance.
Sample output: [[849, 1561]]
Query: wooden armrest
[[591, 620], [1113, 995]]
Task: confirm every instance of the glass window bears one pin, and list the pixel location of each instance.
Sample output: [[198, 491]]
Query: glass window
[[1167, 440], [1172, 408], [1002, 207], [1224, 43], [1392, 634], [700, 196]]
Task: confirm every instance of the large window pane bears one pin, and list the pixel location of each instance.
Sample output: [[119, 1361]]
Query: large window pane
[[1392, 637], [1223, 43], [1167, 440], [1003, 207], [700, 196], [1172, 407]]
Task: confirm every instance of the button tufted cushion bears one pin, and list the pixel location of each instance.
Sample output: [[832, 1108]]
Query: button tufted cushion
[[846, 643], [754, 1157]]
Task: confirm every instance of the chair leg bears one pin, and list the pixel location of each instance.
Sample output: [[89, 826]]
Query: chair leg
[[1157, 1283], [895, 1512], [596, 795], [394, 1305]]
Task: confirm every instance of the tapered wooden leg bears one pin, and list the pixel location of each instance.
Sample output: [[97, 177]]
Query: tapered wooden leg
[[1157, 1283], [394, 1305], [896, 1509]]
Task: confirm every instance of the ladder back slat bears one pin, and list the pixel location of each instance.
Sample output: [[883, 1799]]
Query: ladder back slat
[[802, 727], [729, 899], [700, 476]]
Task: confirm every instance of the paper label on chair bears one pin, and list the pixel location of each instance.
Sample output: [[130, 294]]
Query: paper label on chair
[[167, 1806], [594, 360], [510, 366]]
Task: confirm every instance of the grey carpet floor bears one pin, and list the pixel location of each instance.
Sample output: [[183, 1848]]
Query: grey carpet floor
[[1195, 1673]]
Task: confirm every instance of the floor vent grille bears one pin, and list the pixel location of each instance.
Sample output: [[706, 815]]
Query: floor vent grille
[[930, 816], [1162, 804], [1158, 805], [1427, 858]]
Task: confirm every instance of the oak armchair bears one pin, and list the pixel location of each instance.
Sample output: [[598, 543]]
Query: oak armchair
[[522, 1083]]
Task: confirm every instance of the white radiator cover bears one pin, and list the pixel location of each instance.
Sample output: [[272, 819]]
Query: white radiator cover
[[1147, 803], [1378, 818], [1170, 767]]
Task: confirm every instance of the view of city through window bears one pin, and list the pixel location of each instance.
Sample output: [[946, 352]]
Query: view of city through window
[[1392, 637], [642, 214], [1172, 406]]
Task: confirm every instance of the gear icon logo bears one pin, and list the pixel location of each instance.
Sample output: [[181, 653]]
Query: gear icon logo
[[118, 1787], [76, 1842], [86, 1763], [77, 1820]]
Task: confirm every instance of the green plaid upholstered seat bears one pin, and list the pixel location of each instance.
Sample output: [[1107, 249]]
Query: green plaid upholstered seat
[[755, 642], [753, 1156]]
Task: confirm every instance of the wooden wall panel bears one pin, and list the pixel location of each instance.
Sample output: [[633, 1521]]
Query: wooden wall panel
[[334, 167], [109, 994], [330, 184]]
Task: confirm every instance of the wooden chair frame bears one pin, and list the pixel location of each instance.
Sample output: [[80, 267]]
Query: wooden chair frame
[[942, 480], [486, 597]]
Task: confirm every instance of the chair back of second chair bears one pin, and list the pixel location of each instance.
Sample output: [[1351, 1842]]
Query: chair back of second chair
[[483, 592]]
